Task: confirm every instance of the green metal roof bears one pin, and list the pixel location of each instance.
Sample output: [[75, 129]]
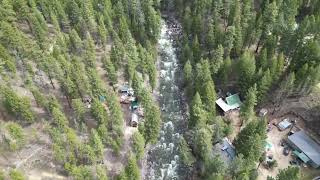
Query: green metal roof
[[233, 100], [301, 156]]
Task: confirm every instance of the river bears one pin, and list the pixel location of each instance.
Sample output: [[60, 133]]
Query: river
[[163, 158]]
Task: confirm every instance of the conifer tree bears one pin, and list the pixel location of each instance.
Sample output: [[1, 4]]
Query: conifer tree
[[132, 169], [247, 109], [185, 152], [188, 75], [7, 12], [111, 71], [250, 141], [196, 49], [264, 85], [203, 144], [198, 116], [217, 59], [96, 144], [138, 145], [246, 71], [152, 123], [18, 106]]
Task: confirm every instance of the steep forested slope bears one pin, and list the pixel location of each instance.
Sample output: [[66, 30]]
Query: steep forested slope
[[55, 55]]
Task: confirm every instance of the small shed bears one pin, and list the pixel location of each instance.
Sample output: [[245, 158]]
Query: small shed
[[134, 120], [263, 112], [285, 124], [302, 143]]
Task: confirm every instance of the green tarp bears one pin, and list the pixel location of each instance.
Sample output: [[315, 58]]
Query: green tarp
[[301, 156]]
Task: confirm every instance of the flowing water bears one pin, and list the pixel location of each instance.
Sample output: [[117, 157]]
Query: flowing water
[[163, 158]]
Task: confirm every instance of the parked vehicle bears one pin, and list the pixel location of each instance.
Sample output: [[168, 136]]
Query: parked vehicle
[[286, 151], [294, 163], [283, 142]]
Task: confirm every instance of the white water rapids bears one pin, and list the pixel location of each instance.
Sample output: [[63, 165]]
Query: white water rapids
[[163, 158]]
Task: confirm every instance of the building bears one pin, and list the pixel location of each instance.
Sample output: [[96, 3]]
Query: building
[[263, 112], [284, 124], [232, 102], [305, 148], [134, 120], [225, 150]]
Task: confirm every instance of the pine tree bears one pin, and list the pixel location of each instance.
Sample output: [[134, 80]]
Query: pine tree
[[102, 31], [111, 71], [17, 136], [101, 173], [196, 49], [210, 99], [132, 169], [16, 175], [185, 153], [187, 73], [7, 60], [229, 39], [187, 54], [250, 141], [79, 109], [59, 119], [289, 173], [89, 52], [225, 70], [99, 113], [75, 42], [202, 143], [247, 109], [7, 12], [152, 123], [246, 71], [217, 59], [198, 116], [18, 106], [138, 145], [264, 85], [96, 144]]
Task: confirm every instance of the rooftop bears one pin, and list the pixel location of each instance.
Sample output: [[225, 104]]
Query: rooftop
[[232, 102], [308, 146]]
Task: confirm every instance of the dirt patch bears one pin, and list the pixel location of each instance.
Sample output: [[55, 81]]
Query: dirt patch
[[276, 150], [274, 138], [234, 118]]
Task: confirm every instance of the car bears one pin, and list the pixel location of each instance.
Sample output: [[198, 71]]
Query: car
[[286, 151], [283, 142], [294, 163]]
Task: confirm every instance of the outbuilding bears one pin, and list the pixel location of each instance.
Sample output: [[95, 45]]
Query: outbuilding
[[284, 124], [134, 120], [305, 148]]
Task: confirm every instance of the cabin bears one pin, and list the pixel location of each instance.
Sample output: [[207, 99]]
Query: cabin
[[134, 120], [305, 148], [231, 102]]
